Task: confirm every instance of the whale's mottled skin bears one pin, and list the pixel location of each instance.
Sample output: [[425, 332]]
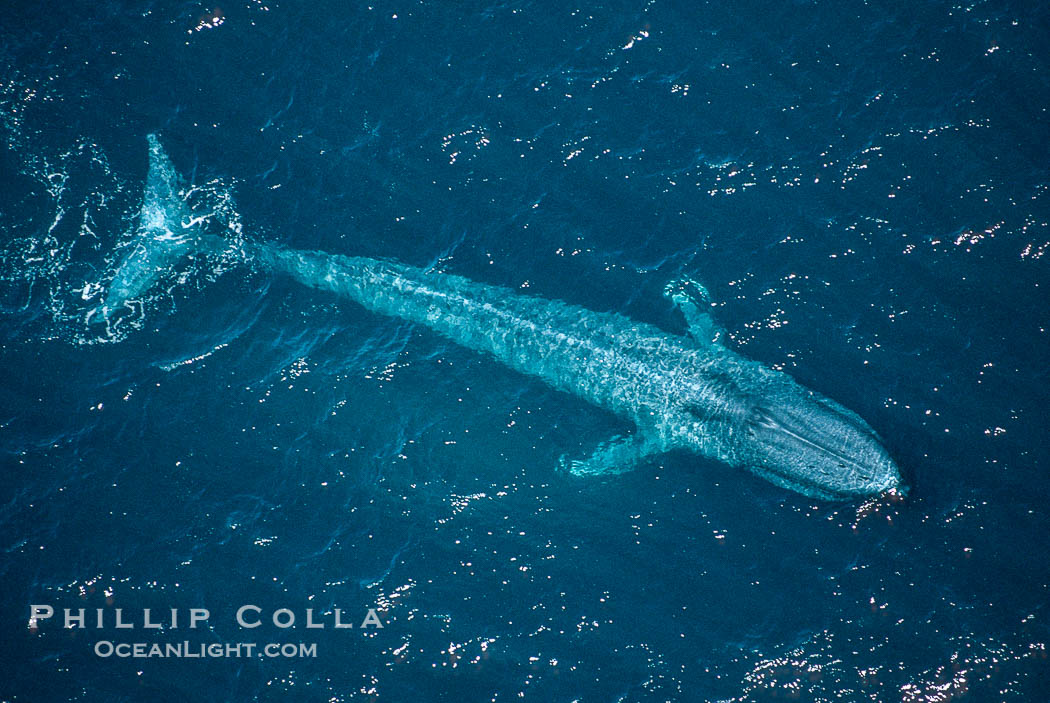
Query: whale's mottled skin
[[688, 393]]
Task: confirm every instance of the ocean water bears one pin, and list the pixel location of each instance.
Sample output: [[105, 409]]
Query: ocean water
[[862, 187]]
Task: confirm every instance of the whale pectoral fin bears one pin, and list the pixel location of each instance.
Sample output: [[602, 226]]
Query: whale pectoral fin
[[702, 327], [616, 456], [688, 295]]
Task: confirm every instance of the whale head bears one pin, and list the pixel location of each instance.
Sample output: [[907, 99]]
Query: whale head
[[753, 417], [811, 444]]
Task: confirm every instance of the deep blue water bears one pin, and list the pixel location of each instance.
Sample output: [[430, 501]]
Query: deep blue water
[[863, 189]]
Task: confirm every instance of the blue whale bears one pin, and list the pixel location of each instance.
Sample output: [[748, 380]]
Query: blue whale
[[681, 393]]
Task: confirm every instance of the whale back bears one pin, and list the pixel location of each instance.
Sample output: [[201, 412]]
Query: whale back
[[631, 368]]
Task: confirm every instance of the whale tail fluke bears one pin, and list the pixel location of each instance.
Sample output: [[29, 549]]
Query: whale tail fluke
[[165, 233]]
